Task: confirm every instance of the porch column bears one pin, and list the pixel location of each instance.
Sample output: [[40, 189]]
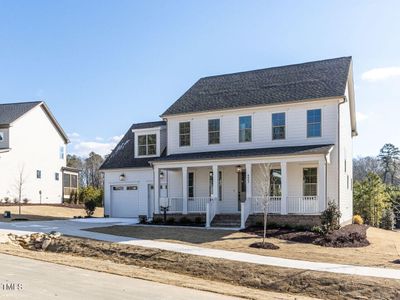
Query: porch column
[[284, 188], [156, 190], [215, 182], [249, 182], [321, 185], [184, 190]]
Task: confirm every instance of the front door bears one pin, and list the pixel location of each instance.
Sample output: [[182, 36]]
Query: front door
[[241, 188]]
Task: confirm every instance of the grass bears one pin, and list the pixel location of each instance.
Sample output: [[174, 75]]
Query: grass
[[44, 212], [384, 247]]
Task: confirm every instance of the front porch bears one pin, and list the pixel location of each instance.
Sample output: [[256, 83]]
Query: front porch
[[290, 186]]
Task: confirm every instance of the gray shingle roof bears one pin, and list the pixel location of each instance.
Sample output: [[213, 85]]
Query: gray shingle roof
[[274, 151], [9, 112], [319, 79], [123, 155]]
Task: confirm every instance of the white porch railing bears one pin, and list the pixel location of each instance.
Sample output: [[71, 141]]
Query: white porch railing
[[303, 205], [211, 210], [274, 204], [174, 204], [197, 204]]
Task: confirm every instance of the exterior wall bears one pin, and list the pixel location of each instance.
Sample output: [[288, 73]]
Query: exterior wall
[[346, 162], [296, 127], [140, 177], [35, 145]]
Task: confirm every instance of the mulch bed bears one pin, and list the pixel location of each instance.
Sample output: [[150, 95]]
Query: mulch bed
[[348, 236], [265, 245]]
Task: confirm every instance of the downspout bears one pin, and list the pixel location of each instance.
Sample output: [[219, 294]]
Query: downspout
[[338, 143], [326, 180]]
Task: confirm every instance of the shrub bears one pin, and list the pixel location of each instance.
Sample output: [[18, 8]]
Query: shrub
[[198, 220], [25, 200], [259, 224], [90, 207], [317, 230], [91, 193], [330, 218], [158, 220], [171, 220], [142, 219], [184, 221], [15, 200], [357, 219], [6, 200], [388, 221]]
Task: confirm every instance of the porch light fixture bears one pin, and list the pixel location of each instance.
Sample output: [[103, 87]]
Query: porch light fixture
[[122, 177], [238, 169], [162, 175]]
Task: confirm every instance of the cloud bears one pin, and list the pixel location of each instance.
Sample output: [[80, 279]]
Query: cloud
[[98, 138], [361, 116], [117, 138], [84, 148], [381, 73]]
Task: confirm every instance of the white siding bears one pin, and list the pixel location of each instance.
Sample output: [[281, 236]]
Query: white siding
[[296, 128], [35, 145]]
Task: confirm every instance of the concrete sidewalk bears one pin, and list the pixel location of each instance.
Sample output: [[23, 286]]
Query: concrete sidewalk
[[75, 229]]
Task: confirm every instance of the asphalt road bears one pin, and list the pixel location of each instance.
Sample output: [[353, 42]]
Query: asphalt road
[[23, 278]]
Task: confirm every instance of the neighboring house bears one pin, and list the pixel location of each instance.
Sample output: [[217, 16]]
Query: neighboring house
[[206, 156], [32, 152]]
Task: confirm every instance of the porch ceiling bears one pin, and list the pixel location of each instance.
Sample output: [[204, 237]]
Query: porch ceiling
[[258, 152]]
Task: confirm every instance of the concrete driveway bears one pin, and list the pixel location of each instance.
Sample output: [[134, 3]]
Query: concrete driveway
[[23, 278]]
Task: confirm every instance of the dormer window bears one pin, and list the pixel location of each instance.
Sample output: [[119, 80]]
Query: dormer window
[[147, 144]]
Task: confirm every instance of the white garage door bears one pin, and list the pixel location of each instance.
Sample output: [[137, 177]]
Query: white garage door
[[124, 201]]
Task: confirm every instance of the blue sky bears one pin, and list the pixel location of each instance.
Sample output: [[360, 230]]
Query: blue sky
[[102, 65]]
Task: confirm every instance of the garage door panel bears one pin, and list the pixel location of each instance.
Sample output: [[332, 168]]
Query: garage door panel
[[125, 201]]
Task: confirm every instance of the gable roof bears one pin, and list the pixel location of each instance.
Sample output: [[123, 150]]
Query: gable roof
[[10, 112], [312, 80], [123, 155]]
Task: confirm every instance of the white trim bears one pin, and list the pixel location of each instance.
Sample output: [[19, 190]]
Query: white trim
[[238, 127]]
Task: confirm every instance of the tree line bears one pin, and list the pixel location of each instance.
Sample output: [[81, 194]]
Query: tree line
[[376, 191]]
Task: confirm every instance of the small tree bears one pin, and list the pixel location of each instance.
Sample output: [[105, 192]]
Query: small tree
[[388, 220], [263, 185], [330, 218], [19, 187], [90, 207]]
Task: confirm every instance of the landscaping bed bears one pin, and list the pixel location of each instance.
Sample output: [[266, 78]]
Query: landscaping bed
[[348, 236], [314, 284]]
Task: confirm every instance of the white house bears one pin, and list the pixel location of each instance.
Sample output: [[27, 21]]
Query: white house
[[32, 152], [208, 155]]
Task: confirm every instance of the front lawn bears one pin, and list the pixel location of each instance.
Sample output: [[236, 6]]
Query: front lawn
[[383, 249]]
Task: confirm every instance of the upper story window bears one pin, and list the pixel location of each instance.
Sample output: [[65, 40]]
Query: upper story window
[[38, 174], [310, 182], [1, 136], [57, 176], [245, 129], [278, 126], [184, 134], [314, 123], [62, 152], [213, 131], [147, 144]]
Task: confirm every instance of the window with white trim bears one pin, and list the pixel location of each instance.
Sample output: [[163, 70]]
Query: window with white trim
[[213, 131], [275, 183], [310, 181], [184, 134], [147, 144], [278, 126], [244, 129], [314, 123]]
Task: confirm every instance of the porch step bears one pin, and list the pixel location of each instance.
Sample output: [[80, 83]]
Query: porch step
[[226, 220]]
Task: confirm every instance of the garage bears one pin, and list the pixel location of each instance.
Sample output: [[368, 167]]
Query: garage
[[124, 201]]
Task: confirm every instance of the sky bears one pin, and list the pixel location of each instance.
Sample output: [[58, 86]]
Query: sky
[[103, 65]]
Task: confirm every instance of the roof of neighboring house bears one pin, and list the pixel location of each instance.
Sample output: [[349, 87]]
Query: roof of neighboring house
[[123, 155], [10, 112], [275, 151], [312, 80]]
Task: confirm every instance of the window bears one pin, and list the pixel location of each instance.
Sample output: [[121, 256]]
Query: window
[[147, 144], [184, 134], [245, 129], [275, 183], [118, 188], [278, 126], [38, 174], [62, 153], [57, 176], [211, 184], [131, 188], [74, 181], [345, 165], [1, 136], [310, 182], [191, 185], [314, 123], [213, 131]]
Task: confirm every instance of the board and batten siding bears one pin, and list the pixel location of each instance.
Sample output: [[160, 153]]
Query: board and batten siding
[[296, 127]]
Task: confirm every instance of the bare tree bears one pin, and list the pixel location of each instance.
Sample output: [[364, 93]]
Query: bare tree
[[263, 185], [19, 186]]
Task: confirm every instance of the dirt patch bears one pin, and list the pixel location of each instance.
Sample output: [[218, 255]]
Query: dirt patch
[[314, 284], [348, 236], [264, 245]]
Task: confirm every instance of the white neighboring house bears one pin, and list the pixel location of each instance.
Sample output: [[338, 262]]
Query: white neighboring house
[[203, 158], [33, 145]]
